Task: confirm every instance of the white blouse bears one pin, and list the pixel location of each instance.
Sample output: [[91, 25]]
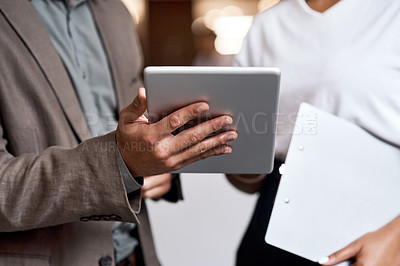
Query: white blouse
[[345, 61]]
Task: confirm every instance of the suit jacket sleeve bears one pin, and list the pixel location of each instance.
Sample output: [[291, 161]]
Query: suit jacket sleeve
[[63, 185]]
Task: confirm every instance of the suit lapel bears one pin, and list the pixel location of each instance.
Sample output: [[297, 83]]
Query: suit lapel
[[25, 21]]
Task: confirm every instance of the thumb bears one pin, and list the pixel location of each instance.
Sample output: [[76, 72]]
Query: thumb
[[344, 254], [136, 109]]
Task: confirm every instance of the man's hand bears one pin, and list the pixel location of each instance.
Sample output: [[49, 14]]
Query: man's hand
[[156, 186], [150, 149], [381, 247]]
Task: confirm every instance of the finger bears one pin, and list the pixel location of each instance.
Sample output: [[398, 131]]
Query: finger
[[154, 181], [180, 117], [198, 133], [220, 150], [136, 109], [205, 145], [157, 192], [344, 254]]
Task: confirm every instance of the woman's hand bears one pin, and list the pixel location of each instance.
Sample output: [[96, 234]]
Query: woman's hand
[[246, 182], [156, 186], [381, 247]]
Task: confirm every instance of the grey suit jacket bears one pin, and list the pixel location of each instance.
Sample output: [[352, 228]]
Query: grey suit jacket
[[58, 185]]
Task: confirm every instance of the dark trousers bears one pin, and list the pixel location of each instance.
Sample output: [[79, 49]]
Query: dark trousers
[[253, 250]]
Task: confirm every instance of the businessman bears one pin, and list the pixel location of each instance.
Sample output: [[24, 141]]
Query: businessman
[[66, 69]]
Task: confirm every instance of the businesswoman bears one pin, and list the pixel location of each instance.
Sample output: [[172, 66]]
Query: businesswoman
[[342, 57]]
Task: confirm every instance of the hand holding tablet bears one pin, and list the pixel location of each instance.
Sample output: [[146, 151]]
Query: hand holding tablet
[[149, 149]]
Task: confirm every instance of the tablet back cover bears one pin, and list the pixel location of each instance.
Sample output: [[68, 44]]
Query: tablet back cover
[[249, 95]]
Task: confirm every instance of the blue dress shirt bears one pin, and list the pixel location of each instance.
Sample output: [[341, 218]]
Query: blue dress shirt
[[73, 32]]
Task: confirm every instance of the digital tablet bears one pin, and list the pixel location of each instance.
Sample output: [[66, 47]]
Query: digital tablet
[[249, 95]]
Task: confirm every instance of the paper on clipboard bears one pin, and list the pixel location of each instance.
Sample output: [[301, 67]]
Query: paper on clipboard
[[340, 182]]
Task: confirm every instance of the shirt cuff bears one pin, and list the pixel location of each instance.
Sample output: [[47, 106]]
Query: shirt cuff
[[131, 183]]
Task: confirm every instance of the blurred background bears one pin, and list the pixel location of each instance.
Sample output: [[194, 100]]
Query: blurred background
[[206, 228], [202, 32]]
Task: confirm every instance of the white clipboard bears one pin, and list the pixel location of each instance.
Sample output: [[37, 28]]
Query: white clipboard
[[339, 183]]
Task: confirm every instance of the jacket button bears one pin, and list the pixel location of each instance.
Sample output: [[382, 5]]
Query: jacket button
[[115, 217], [105, 261], [95, 218], [105, 218], [85, 219]]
